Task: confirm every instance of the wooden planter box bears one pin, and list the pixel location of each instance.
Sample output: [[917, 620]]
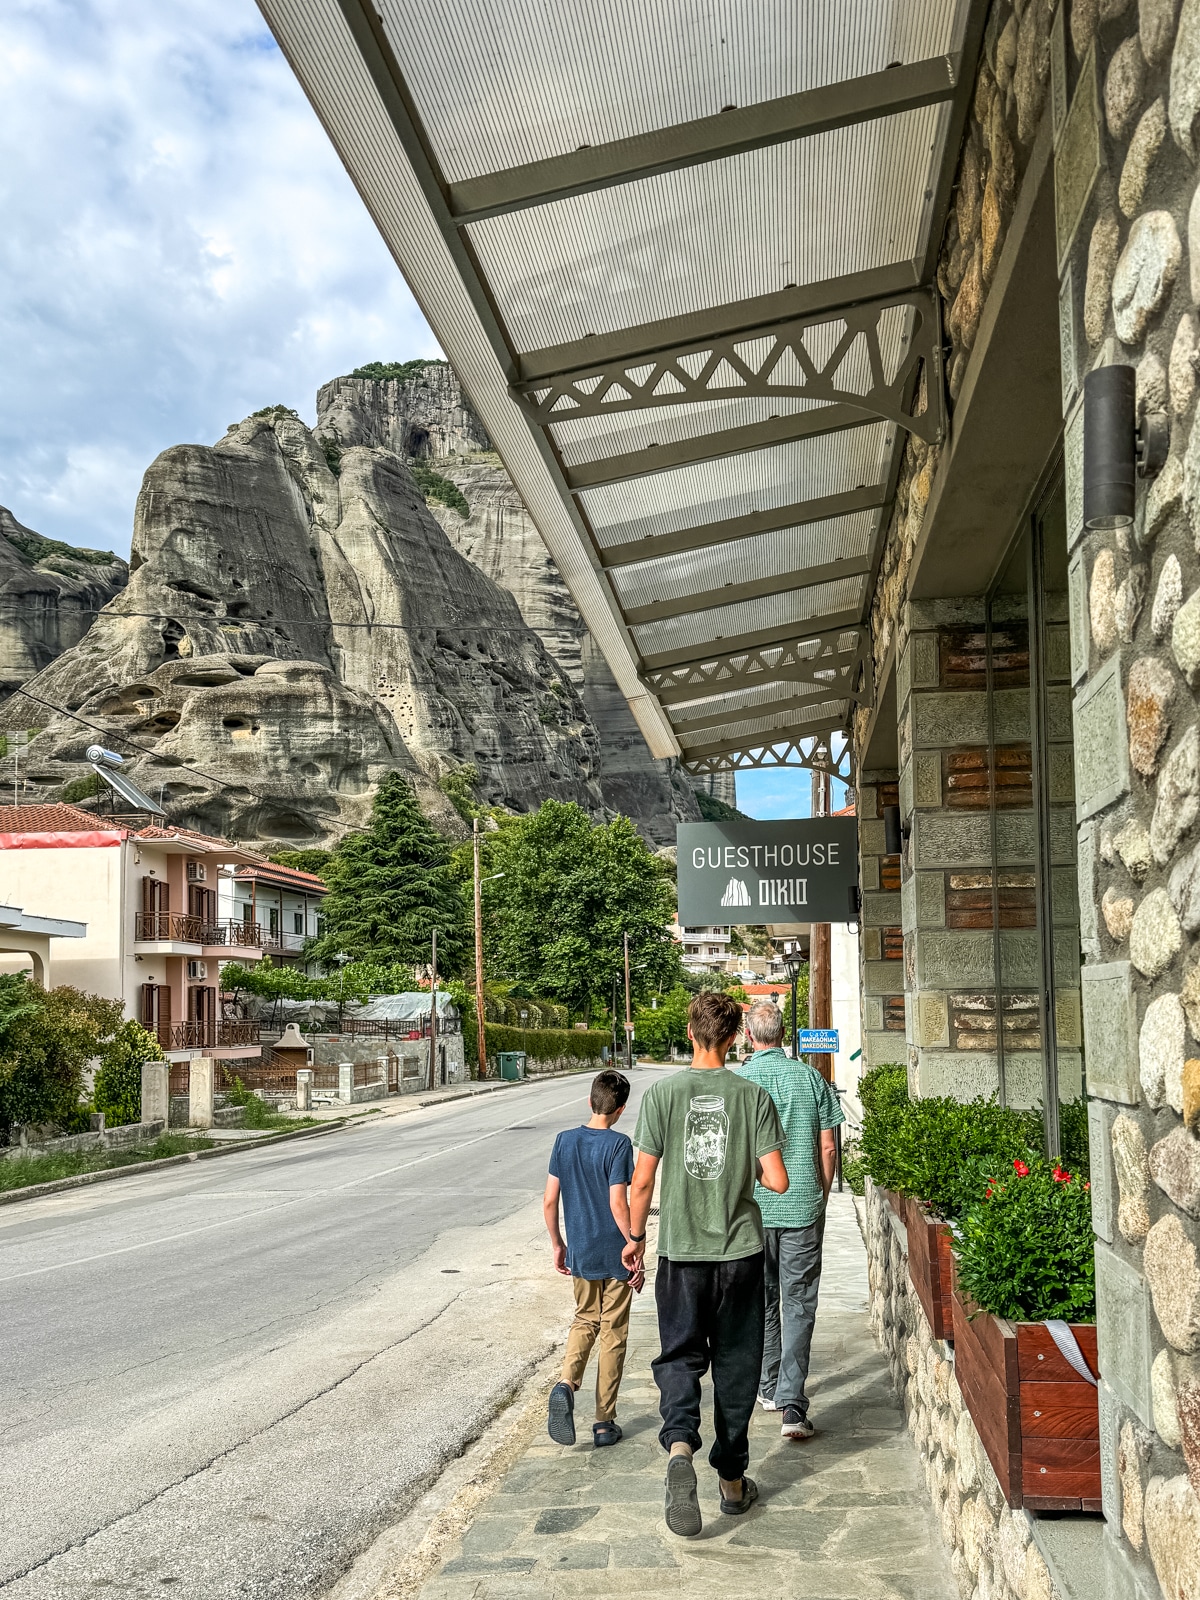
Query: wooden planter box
[[1038, 1419], [930, 1267]]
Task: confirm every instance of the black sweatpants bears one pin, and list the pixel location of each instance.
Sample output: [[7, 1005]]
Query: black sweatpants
[[710, 1313]]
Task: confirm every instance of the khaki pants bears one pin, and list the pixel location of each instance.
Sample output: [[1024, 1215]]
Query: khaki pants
[[601, 1312]]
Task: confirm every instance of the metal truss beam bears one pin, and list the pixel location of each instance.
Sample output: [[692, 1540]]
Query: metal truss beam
[[731, 132], [696, 654], [795, 662], [711, 446], [823, 509], [828, 358], [649, 339], [817, 697], [960, 106], [813, 749], [757, 589]]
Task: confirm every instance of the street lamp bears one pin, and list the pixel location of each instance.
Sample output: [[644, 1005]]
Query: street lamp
[[793, 960]]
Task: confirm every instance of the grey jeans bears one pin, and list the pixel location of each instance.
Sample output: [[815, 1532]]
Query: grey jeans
[[792, 1277]]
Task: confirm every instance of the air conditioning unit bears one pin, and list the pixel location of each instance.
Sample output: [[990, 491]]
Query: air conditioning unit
[[197, 872], [197, 969]]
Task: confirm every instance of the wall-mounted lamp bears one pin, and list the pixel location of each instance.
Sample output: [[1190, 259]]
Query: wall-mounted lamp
[[1116, 450], [894, 833]]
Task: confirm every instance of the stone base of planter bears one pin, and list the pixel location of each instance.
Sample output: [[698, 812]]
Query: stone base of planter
[[1038, 1420]]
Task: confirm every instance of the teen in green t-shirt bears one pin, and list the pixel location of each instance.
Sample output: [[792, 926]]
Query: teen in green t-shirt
[[714, 1133]]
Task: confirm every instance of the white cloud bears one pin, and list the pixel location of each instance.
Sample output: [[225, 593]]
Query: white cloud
[[180, 247]]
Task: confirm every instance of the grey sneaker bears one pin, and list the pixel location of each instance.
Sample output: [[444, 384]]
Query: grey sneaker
[[796, 1425], [767, 1403], [681, 1507]]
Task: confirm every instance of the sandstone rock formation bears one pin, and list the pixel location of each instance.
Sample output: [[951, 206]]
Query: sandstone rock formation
[[303, 615], [49, 593], [232, 649], [426, 415]]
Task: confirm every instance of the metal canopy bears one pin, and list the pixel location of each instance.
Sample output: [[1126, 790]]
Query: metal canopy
[[680, 254]]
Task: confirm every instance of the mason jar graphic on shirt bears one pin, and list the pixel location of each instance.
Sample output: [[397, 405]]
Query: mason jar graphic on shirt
[[706, 1134]]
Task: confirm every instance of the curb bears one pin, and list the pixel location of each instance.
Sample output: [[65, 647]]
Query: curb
[[34, 1191]]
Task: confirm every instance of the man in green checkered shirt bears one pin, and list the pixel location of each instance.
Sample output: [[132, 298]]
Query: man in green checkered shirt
[[793, 1223]]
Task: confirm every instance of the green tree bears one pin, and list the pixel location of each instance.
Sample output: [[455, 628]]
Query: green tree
[[460, 786], [391, 886], [661, 1027], [571, 889], [45, 1039], [801, 1007], [117, 1090]]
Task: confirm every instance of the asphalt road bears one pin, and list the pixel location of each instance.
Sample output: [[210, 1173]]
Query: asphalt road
[[225, 1379]]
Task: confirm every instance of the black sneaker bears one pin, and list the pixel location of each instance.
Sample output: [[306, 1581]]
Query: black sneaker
[[796, 1425], [562, 1414], [682, 1505], [735, 1508], [606, 1433]]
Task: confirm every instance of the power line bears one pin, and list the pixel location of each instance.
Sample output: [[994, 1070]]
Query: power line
[[300, 622], [177, 765]]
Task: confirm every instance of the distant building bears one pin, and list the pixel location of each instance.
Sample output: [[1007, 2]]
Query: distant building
[[283, 901], [704, 949], [164, 908]]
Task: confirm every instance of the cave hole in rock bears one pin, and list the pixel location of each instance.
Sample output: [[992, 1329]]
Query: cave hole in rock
[[239, 727], [174, 638]]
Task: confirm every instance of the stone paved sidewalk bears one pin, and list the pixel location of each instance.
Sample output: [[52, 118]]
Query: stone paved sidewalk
[[844, 1516]]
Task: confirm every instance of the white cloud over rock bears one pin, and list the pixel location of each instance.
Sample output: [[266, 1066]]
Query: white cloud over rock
[[180, 246]]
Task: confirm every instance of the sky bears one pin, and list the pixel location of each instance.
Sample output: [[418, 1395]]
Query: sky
[[180, 247], [780, 792]]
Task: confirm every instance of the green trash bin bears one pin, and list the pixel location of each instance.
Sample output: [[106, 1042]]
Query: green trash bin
[[512, 1064]]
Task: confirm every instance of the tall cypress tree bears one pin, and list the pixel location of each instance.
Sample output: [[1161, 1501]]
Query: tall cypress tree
[[391, 886]]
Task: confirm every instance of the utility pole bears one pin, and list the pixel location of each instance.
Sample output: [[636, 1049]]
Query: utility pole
[[820, 998], [433, 1018], [479, 1007], [628, 1014]]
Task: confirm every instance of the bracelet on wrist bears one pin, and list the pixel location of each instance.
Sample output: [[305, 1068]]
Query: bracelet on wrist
[[636, 1238]]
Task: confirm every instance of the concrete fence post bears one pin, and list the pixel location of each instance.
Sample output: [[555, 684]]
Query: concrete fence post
[[304, 1083], [202, 1081], [346, 1081], [156, 1092]]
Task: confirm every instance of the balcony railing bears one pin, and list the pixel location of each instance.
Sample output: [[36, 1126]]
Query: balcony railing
[[206, 1035], [163, 925]]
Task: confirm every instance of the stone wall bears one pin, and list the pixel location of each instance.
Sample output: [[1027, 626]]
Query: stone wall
[[1129, 242], [992, 1552], [1010, 95], [882, 941]]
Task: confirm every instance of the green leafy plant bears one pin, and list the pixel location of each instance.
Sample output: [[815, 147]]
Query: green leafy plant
[[117, 1090], [1025, 1249], [45, 1039], [714, 810], [256, 1112], [1073, 1137], [82, 788], [460, 786], [311, 859], [434, 487], [883, 1088], [332, 451], [854, 1168], [884, 1095], [383, 371], [940, 1148]]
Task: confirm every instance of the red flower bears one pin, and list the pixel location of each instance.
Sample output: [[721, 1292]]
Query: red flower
[[1061, 1175], [1019, 1167]]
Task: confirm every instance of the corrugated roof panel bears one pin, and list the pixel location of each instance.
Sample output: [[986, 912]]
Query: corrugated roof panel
[[781, 554], [621, 433], [705, 236], [759, 480], [728, 623], [500, 83], [762, 697], [772, 723]]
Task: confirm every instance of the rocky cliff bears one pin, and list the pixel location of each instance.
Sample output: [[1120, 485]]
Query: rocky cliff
[[424, 410], [290, 633], [308, 609], [49, 594]]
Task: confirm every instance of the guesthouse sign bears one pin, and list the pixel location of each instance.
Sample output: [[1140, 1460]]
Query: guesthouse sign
[[765, 872]]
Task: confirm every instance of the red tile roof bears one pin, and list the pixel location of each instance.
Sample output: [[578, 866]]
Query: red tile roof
[[846, 811], [155, 832], [272, 871], [57, 818]]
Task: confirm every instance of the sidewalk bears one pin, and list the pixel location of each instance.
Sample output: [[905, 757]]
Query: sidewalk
[[844, 1516]]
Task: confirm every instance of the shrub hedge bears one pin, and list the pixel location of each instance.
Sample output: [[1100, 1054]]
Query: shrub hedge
[[546, 1043]]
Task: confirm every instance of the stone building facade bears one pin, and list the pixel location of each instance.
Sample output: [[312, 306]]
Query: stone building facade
[[1036, 722]]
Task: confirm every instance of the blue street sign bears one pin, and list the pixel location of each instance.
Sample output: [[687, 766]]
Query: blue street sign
[[818, 1041]]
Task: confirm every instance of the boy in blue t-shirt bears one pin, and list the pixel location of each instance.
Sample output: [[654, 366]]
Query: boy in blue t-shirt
[[590, 1169]]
